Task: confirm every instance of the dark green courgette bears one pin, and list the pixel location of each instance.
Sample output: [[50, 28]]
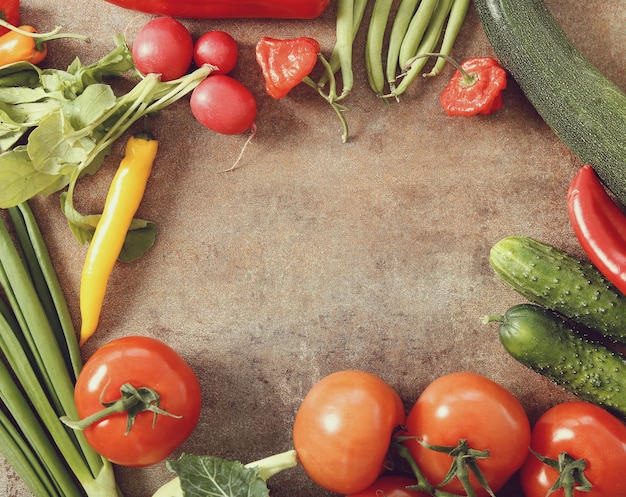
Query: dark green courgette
[[584, 108], [539, 339], [552, 278]]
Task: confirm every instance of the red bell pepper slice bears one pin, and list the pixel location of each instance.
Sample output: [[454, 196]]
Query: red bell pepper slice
[[475, 88], [599, 224], [285, 63]]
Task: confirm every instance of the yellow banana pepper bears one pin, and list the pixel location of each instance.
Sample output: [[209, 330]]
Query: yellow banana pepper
[[123, 199]]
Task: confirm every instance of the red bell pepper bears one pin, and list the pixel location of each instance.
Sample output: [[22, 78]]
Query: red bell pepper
[[9, 12], [475, 88], [214, 9], [285, 63], [599, 224]]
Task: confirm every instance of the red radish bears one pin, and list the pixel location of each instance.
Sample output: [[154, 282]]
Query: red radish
[[217, 48], [163, 46], [224, 105]]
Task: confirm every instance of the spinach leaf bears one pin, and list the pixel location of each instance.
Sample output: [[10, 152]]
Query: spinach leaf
[[207, 476]]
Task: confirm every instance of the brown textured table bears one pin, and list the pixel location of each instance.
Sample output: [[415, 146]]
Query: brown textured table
[[317, 256]]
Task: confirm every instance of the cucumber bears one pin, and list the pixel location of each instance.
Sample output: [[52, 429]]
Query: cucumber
[[542, 341], [552, 278], [585, 109]]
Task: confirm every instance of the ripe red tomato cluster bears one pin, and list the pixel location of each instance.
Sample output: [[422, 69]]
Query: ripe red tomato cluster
[[352, 425], [220, 102]]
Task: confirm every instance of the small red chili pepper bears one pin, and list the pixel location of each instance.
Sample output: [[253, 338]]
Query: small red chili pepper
[[9, 12], [475, 88], [599, 225], [285, 63]]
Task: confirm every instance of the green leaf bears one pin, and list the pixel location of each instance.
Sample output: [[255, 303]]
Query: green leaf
[[114, 64], [139, 239], [19, 179], [19, 74], [206, 476], [52, 148], [19, 94], [90, 105]]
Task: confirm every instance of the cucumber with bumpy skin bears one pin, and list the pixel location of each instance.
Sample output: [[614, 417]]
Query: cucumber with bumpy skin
[[541, 340], [552, 278], [585, 109]]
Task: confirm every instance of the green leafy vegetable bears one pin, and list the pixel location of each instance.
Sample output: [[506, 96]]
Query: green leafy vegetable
[[206, 476], [56, 126]]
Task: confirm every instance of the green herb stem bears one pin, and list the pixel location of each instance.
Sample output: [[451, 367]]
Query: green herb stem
[[38, 387], [36, 436], [61, 309], [24, 461]]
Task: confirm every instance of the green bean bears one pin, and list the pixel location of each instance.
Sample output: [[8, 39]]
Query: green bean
[[455, 22], [333, 60], [401, 22], [431, 37], [345, 13], [417, 29], [374, 45]]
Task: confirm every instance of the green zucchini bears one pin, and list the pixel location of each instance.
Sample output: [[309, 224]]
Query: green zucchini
[[585, 109], [541, 340], [552, 278]]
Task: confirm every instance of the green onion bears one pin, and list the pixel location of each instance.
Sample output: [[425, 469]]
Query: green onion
[[42, 359]]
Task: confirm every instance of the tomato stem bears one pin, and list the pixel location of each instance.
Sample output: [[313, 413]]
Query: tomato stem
[[571, 473], [132, 401], [423, 485]]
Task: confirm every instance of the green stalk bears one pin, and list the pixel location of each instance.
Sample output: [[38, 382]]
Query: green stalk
[[31, 239], [35, 325], [54, 288], [46, 381], [23, 460], [31, 259], [23, 414]]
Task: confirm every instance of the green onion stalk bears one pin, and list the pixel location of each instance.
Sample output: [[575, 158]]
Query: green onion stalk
[[42, 361]]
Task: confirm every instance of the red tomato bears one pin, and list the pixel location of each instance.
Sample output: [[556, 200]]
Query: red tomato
[[468, 406], [343, 430], [584, 431], [223, 105], [9, 12], [390, 486], [142, 362], [163, 46], [217, 48]]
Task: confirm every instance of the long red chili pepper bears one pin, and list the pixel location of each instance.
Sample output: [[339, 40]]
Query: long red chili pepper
[[599, 224], [213, 9]]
